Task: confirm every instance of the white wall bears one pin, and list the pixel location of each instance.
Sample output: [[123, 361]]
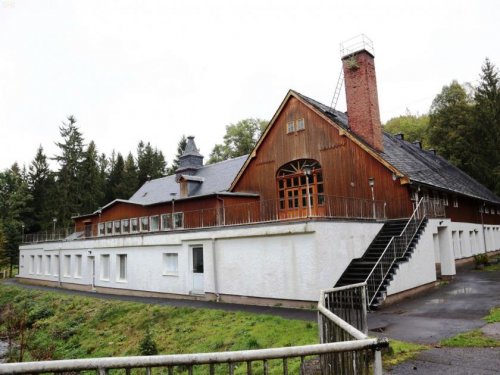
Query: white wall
[[283, 261]]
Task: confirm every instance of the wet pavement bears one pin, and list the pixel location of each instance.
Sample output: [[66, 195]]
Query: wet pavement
[[443, 312], [452, 361]]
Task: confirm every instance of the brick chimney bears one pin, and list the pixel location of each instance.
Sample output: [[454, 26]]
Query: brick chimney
[[361, 92]]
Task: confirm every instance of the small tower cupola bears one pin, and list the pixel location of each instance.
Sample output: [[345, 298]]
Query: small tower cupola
[[190, 160]]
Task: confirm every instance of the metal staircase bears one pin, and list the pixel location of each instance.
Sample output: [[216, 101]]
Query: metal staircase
[[393, 245]]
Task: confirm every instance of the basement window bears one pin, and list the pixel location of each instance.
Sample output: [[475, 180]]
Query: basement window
[[39, 265], [105, 267], [122, 267], [78, 266], [170, 264], [67, 266], [32, 263], [48, 262]]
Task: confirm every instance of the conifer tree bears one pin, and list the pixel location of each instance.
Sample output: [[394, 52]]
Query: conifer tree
[[150, 162], [69, 183], [180, 149], [92, 181]]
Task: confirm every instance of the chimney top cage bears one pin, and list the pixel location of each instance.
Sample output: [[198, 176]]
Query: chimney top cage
[[355, 44]]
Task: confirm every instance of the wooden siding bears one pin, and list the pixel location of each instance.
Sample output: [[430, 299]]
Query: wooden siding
[[346, 166]]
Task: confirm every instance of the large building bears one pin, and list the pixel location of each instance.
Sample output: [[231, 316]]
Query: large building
[[311, 206]]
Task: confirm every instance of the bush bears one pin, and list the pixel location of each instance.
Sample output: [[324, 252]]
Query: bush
[[148, 345], [481, 260]]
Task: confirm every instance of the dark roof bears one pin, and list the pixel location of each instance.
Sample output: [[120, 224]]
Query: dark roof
[[421, 166], [216, 178]]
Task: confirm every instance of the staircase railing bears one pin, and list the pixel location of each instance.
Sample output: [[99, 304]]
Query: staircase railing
[[395, 249]]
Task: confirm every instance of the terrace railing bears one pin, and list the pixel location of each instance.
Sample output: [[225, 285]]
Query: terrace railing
[[344, 349], [321, 206]]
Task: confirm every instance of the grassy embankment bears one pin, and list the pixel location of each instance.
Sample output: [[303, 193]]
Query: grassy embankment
[[60, 326]]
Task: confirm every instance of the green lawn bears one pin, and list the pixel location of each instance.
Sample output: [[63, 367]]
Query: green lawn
[[62, 326]]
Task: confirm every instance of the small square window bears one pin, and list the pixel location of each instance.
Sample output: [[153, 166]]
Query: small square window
[[300, 124], [179, 220], [154, 223], [144, 224], [117, 226], [166, 222], [290, 127], [109, 227], [170, 264], [134, 225], [125, 226]]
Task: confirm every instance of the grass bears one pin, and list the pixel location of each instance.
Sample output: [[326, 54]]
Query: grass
[[401, 351], [475, 338], [64, 326]]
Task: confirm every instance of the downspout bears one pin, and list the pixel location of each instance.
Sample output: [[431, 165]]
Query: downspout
[[59, 268], [482, 224], [214, 260]]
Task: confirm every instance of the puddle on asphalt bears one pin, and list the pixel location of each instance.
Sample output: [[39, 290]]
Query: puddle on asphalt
[[435, 301], [466, 290]]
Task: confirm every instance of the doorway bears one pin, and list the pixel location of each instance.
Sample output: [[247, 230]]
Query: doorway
[[198, 270]]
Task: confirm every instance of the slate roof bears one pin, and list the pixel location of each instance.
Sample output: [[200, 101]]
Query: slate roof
[[421, 166], [217, 178]]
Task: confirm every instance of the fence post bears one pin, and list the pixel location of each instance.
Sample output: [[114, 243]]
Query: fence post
[[377, 366]]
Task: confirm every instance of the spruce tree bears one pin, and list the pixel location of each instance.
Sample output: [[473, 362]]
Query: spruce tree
[[69, 183], [180, 149], [92, 182]]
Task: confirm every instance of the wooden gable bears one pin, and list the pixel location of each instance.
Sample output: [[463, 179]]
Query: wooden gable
[[346, 162]]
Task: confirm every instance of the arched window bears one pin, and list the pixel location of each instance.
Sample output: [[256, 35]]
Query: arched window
[[297, 182]]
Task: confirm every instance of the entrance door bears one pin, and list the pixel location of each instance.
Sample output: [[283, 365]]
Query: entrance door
[[198, 276], [91, 271]]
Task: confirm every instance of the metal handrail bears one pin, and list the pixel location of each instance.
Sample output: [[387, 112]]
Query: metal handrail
[[407, 243]]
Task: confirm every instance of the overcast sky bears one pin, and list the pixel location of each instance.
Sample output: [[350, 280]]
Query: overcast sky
[[155, 70]]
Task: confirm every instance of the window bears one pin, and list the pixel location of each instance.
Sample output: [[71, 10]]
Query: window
[[295, 187], [445, 200], [144, 224], [170, 264], [166, 222], [67, 266], [455, 202], [78, 266], [56, 265], [134, 225], [48, 262], [125, 226], [154, 223], [32, 264], [117, 226], [486, 210], [109, 227], [39, 265], [290, 127], [300, 124], [122, 267], [105, 267], [101, 229], [179, 220]]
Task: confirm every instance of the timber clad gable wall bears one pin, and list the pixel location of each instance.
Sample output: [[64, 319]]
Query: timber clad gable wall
[[346, 166]]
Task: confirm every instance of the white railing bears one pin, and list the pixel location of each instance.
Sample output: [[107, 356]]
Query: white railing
[[320, 206], [344, 349]]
